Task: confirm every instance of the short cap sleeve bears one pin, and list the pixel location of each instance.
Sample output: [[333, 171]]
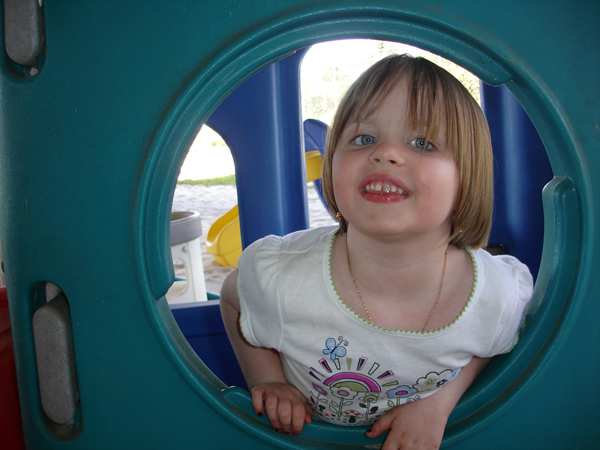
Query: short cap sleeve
[[518, 284], [260, 318]]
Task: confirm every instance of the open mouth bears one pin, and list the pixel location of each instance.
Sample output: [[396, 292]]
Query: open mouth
[[382, 188]]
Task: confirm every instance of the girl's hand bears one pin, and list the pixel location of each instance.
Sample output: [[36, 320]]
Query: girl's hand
[[285, 406], [420, 424], [417, 425]]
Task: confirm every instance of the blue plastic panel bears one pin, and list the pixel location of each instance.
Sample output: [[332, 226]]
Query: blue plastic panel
[[261, 122], [522, 169]]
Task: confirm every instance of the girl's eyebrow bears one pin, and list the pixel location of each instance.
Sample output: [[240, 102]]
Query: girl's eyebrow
[[365, 121], [354, 126]]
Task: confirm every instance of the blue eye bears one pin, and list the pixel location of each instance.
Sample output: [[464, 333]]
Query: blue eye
[[364, 139], [421, 144]]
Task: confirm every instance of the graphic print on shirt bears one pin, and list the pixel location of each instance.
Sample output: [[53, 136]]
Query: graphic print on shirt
[[356, 391]]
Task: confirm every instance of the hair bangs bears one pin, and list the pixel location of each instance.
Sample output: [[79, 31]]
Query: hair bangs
[[376, 90], [433, 96], [426, 106]]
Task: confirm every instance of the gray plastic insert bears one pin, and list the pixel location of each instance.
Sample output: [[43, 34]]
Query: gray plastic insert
[[24, 31], [55, 356]]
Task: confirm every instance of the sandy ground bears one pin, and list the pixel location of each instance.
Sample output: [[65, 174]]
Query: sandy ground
[[214, 201]]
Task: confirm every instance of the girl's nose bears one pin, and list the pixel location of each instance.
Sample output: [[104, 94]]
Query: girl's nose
[[387, 152]]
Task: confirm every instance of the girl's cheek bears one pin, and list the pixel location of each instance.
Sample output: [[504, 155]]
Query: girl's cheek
[[336, 170]]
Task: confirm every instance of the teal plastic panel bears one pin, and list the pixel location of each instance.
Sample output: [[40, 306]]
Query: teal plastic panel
[[90, 147]]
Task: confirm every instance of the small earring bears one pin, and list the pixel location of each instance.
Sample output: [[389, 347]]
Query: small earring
[[339, 216]]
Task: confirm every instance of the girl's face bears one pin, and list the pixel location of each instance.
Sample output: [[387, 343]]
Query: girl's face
[[389, 181]]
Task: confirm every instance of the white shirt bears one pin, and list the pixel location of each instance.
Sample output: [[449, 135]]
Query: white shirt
[[350, 370]]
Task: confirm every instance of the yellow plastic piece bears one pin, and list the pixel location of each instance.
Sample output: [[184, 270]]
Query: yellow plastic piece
[[224, 239], [314, 162]]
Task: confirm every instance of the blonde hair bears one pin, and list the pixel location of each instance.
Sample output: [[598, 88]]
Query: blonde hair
[[433, 93]]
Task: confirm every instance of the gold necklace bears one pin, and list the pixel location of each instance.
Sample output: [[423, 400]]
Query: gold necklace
[[365, 306]]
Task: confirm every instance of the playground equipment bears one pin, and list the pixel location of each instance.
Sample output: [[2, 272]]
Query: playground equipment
[[94, 132], [224, 240], [10, 412], [186, 229]]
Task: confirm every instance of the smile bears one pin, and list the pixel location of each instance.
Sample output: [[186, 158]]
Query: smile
[[382, 188]]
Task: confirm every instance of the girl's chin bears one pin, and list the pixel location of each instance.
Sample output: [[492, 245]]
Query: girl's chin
[[394, 232], [384, 231]]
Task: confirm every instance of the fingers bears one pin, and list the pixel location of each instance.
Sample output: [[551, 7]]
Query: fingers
[[284, 406], [298, 413], [258, 395], [279, 412], [308, 414], [409, 429], [380, 427]]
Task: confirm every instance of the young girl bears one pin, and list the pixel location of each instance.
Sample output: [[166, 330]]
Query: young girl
[[363, 323]]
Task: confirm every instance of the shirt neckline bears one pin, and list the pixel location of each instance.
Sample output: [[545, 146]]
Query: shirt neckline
[[337, 298]]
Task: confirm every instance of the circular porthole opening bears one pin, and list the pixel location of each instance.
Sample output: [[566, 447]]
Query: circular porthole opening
[[506, 371]]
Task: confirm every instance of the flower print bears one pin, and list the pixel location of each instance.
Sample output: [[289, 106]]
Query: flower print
[[369, 398], [343, 392], [433, 380], [319, 389], [401, 392], [337, 408], [441, 382], [455, 373], [398, 393], [346, 395], [317, 398]]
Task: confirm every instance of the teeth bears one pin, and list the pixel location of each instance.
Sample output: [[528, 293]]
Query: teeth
[[383, 188]]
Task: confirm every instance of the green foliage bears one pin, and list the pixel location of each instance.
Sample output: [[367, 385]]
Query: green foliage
[[226, 180]]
